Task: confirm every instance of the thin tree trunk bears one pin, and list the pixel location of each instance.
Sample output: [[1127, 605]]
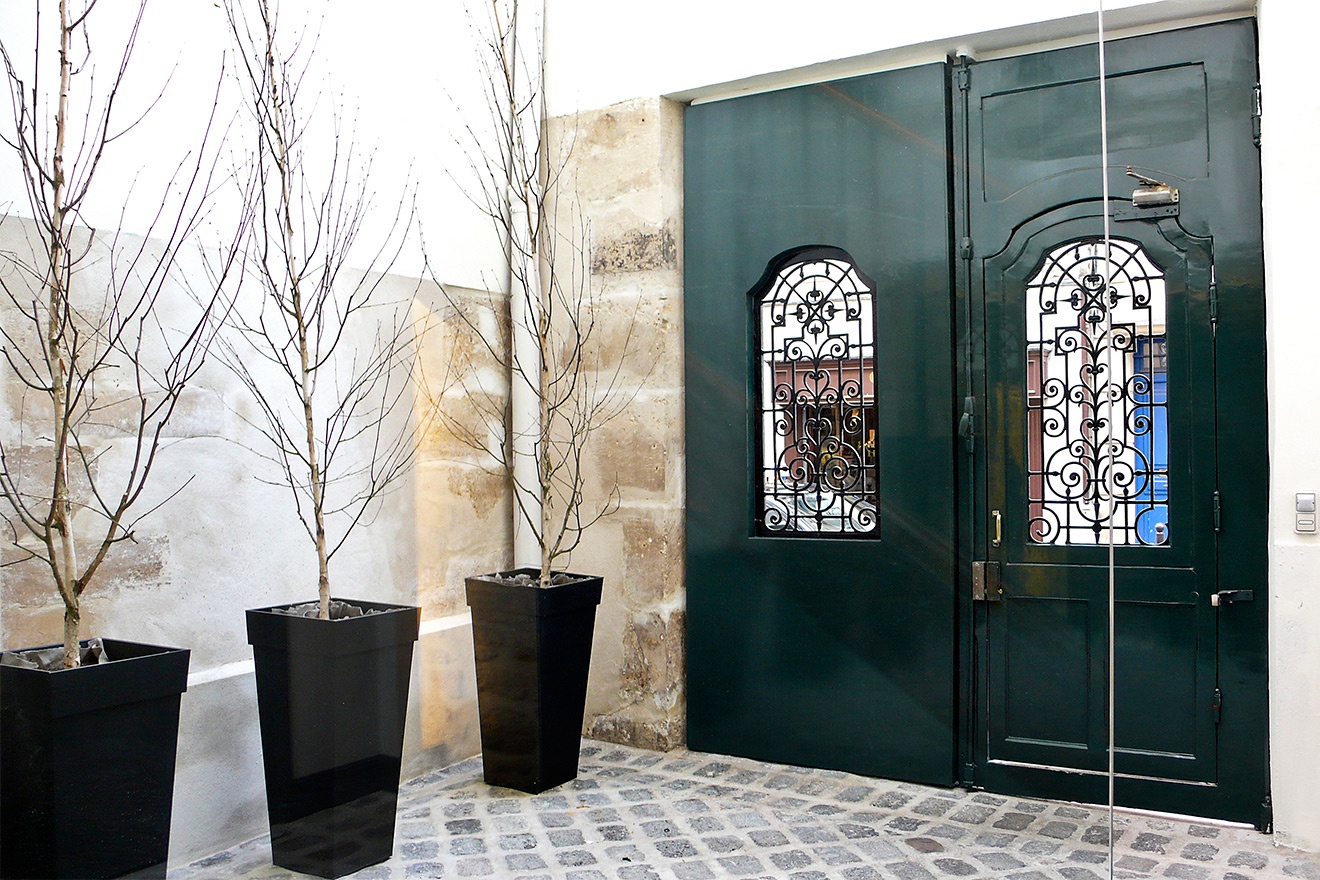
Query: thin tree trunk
[[306, 383], [61, 513], [547, 548], [318, 503], [544, 391]]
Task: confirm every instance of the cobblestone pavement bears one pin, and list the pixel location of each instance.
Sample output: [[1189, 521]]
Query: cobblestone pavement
[[639, 815]]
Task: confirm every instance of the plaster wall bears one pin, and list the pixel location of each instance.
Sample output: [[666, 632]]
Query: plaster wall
[[401, 78], [1290, 128], [608, 55]]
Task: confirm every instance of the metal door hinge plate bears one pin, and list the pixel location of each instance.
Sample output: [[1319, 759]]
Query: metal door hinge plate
[[1255, 116], [1128, 211], [985, 582], [967, 425]]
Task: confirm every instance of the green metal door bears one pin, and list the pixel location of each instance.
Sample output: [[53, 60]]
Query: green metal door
[[1121, 387], [820, 504], [916, 373]]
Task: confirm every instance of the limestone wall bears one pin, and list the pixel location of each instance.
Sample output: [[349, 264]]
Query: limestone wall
[[625, 168]]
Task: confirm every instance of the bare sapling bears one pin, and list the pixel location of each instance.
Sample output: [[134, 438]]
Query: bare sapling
[[549, 348], [94, 369], [326, 358]]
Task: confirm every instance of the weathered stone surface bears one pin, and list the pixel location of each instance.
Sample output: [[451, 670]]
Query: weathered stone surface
[[653, 658], [625, 177], [463, 528], [660, 735], [635, 450], [464, 374], [635, 251], [639, 330], [653, 544]]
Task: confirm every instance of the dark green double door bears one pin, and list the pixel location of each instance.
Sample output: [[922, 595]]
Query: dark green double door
[[1029, 395]]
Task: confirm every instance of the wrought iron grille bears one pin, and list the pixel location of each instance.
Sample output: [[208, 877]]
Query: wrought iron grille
[[815, 318], [1096, 351]]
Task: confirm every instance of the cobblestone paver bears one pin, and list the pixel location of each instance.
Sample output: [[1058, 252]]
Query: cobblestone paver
[[639, 815]]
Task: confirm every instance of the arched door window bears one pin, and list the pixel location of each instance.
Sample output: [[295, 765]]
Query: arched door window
[[814, 313], [1097, 401]]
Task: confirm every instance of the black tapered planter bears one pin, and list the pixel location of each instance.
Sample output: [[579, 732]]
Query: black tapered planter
[[533, 652], [332, 696], [87, 764]]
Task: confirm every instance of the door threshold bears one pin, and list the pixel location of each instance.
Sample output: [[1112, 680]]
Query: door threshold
[[1175, 817], [1080, 772]]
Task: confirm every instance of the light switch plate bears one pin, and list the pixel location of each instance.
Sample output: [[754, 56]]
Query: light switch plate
[[1304, 512]]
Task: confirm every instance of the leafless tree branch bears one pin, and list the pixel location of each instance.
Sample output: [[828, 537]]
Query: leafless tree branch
[[520, 188], [97, 366], [333, 363]]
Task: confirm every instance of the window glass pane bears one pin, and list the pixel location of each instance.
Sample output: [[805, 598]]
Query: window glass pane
[[816, 391], [1097, 352]]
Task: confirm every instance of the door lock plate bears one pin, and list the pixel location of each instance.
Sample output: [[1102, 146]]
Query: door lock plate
[[985, 582]]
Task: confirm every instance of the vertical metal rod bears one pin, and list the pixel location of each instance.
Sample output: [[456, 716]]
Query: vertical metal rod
[[1109, 419]]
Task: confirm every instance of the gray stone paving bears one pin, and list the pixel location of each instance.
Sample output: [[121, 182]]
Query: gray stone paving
[[639, 815]]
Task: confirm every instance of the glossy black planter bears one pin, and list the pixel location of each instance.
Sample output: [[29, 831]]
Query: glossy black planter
[[87, 764], [533, 651], [332, 696]]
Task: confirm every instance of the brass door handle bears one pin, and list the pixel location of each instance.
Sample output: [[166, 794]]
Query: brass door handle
[[999, 529]]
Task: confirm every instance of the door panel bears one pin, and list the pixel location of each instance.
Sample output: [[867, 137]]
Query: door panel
[[807, 646], [1104, 375]]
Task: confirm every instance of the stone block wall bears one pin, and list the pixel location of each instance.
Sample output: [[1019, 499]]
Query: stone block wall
[[624, 167]]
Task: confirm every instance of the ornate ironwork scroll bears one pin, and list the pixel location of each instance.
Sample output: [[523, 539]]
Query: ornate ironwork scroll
[[1097, 440], [815, 319]]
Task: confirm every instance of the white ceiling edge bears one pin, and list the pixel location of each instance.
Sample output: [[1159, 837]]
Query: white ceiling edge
[[1076, 30]]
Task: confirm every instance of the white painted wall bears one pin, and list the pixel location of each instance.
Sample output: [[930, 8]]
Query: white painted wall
[[1290, 130], [601, 52]]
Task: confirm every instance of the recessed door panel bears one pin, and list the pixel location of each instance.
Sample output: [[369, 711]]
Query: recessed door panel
[[1156, 116]]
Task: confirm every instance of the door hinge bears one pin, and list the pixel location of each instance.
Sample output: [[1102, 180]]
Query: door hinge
[[1217, 503], [1266, 825], [963, 76], [1214, 302], [969, 775], [967, 425], [1255, 116], [965, 248], [1218, 704]]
